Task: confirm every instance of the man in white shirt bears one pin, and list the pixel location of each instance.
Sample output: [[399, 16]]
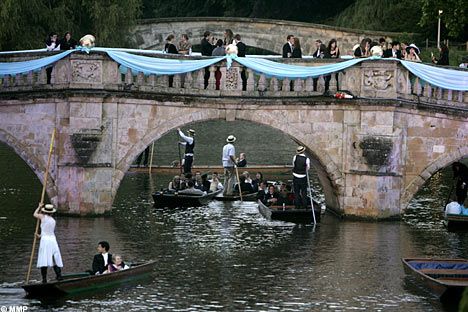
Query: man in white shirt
[[301, 164], [229, 163], [189, 143]]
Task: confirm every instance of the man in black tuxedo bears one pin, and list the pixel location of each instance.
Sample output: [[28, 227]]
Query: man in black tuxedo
[[102, 259], [288, 47], [241, 50], [394, 52], [206, 50], [319, 53]]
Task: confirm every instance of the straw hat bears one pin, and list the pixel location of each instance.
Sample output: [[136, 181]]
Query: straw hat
[[231, 139], [48, 209], [191, 131], [412, 46], [300, 149]]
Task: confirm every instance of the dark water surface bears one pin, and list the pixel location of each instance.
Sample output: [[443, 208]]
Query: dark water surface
[[225, 256]]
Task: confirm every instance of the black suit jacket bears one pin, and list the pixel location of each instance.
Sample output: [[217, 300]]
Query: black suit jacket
[[286, 49], [389, 53], [98, 263], [241, 49]]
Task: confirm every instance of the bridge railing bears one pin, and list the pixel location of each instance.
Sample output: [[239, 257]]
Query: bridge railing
[[370, 79]]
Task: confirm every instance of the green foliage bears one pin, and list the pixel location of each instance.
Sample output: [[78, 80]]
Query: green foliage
[[25, 24], [392, 15], [454, 17]]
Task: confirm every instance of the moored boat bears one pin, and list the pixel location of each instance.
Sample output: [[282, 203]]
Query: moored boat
[[456, 222], [446, 278], [167, 199], [84, 282], [289, 213]]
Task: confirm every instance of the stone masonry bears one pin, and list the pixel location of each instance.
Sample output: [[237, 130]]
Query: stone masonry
[[372, 154]]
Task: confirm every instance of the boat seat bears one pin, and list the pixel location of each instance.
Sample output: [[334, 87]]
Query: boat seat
[[445, 272]]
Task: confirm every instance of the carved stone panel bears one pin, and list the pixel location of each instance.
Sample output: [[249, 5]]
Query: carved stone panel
[[231, 79], [84, 71], [378, 80]]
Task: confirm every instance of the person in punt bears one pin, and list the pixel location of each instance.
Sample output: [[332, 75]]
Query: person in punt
[[102, 259], [49, 252], [215, 184], [460, 173], [191, 190], [271, 197], [117, 265]]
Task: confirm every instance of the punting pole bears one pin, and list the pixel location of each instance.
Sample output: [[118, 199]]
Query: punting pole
[[151, 158], [44, 187], [238, 182], [310, 196]]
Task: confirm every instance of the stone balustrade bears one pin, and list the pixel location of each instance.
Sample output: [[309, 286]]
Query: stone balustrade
[[370, 79]]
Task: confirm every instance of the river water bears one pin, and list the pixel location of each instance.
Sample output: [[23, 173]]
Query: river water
[[225, 256]]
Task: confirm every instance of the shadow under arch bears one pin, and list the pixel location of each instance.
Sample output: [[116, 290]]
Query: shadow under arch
[[327, 171], [437, 165], [34, 163]]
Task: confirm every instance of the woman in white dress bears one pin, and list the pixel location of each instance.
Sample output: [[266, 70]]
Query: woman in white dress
[[49, 252]]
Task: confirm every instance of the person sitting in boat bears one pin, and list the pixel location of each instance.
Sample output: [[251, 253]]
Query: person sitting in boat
[[244, 186], [283, 195], [271, 197], [184, 178], [102, 259], [191, 190], [262, 190], [256, 182], [205, 184], [49, 252], [117, 265], [215, 184], [174, 185], [241, 161], [198, 180], [460, 172], [248, 179]]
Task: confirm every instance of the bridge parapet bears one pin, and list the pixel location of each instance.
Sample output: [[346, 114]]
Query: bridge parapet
[[369, 79]]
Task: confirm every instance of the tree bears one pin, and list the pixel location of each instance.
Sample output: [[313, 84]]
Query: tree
[[25, 24], [454, 16]]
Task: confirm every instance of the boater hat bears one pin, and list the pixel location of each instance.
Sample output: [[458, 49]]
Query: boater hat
[[300, 149], [191, 131], [48, 208], [412, 46], [231, 139]]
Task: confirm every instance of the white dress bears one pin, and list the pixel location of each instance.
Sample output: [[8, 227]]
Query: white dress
[[49, 252]]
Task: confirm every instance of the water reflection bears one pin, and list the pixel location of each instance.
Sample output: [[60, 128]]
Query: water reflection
[[226, 257]]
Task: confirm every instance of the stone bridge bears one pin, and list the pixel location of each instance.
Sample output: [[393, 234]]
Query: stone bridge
[[261, 33], [372, 153]]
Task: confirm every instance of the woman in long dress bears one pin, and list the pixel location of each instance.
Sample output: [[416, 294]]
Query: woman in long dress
[[49, 252]]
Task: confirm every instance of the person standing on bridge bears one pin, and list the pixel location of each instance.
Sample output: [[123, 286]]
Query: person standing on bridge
[[301, 164], [229, 164], [189, 142], [288, 47]]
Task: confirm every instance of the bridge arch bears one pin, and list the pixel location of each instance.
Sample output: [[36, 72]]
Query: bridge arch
[[329, 175], [37, 165], [437, 165]]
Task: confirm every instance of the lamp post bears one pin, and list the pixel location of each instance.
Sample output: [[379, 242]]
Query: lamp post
[[438, 30]]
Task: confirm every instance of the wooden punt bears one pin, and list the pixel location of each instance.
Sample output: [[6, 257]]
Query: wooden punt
[[289, 213], [456, 222], [446, 278], [245, 197], [84, 282], [166, 199]]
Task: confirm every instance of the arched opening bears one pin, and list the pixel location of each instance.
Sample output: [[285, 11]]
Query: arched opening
[[426, 207], [20, 192], [267, 149]]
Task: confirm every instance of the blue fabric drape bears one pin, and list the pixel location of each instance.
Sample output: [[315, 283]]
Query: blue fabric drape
[[281, 70], [159, 66], [436, 76], [13, 68], [440, 77]]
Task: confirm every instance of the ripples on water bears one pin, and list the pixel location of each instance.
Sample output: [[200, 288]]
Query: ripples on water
[[226, 257]]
